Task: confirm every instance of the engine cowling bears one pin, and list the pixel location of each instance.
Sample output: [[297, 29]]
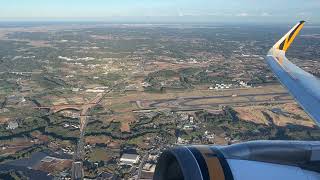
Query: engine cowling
[[263, 160]]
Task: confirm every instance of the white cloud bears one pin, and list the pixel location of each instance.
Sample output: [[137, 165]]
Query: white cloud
[[199, 14], [180, 13], [242, 14], [265, 14]]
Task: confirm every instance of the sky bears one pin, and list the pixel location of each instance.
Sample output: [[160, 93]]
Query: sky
[[261, 11]]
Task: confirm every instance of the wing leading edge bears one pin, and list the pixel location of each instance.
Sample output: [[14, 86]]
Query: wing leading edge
[[303, 86]]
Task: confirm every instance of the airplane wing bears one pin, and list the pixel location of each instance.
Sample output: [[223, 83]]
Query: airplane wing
[[303, 86]]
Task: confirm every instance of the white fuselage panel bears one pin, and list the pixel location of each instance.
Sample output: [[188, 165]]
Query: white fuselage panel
[[254, 170]]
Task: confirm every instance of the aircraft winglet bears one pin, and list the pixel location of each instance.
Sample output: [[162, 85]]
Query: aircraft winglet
[[303, 86], [284, 43]]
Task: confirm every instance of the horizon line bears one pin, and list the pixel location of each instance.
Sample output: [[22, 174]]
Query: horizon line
[[141, 21]]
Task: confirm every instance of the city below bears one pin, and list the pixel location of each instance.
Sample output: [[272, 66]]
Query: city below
[[103, 101]]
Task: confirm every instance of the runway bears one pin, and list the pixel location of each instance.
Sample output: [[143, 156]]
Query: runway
[[205, 102]]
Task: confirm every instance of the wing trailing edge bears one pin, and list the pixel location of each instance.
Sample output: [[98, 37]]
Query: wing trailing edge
[[303, 86]]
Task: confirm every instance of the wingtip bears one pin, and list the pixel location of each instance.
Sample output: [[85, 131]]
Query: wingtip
[[284, 43]]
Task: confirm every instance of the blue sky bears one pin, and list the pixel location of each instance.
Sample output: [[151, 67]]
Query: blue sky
[[163, 10]]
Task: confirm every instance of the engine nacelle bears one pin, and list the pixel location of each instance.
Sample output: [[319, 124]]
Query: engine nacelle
[[257, 160]]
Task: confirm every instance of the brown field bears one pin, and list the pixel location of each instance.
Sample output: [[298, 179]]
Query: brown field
[[124, 117], [59, 101], [254, 114], [76, 100], [4, 120], [251, 114], [14, 145], [39, 43], [41, 137], [97, 139], [125, 127], [56, 166]]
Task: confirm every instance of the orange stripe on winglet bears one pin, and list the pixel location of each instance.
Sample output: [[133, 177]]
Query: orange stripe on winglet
[[295, 34]]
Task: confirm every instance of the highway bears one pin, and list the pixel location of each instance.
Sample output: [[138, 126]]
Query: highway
[[77, 169], [79, 152], [143, 162]]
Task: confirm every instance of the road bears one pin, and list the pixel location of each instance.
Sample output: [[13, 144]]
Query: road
[[79, 152], [77, 170], [143, 162]]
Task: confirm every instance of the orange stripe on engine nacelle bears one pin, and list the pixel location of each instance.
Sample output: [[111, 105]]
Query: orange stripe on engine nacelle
[[214, 166]]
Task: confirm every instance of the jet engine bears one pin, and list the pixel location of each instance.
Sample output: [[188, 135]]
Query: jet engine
[[257, 160]]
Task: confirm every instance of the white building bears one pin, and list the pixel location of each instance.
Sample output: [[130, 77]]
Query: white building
[[180, 141], [12, 125], [75, 89], [95, 91], [129, 159]]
